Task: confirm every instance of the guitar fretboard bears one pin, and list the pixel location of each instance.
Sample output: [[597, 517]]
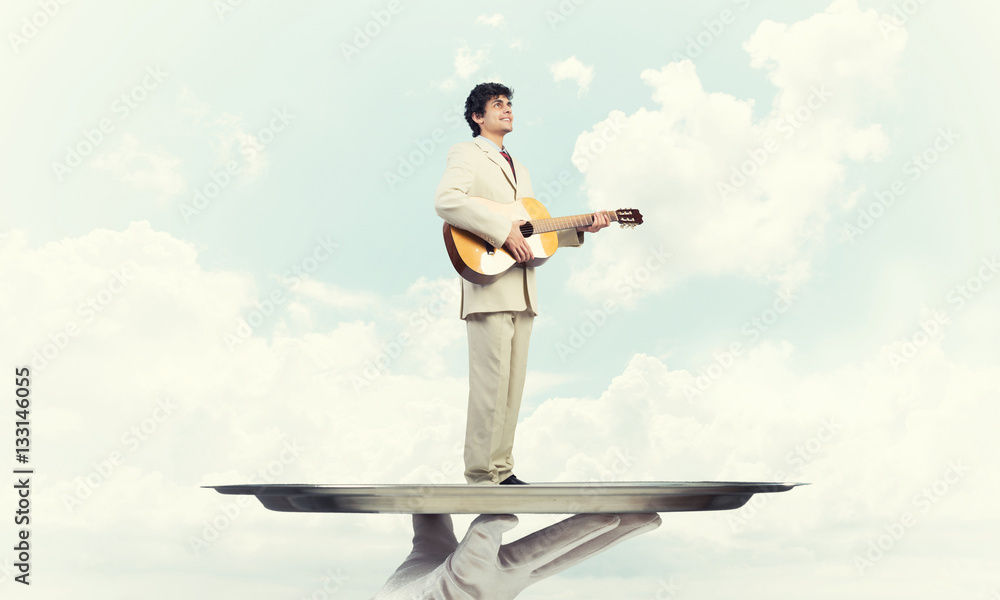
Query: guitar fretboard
[[570, 222]]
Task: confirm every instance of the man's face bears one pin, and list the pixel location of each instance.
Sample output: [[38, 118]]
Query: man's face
[[497, 117]]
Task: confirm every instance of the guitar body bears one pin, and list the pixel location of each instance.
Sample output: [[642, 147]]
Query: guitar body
[[479, 262]]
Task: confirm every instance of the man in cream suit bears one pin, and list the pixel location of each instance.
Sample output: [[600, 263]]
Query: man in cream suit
[[498, 315]]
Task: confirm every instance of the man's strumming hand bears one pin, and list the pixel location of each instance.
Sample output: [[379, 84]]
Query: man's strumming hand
[[517, 245]]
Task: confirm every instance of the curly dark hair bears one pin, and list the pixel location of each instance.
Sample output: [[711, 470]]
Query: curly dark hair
[[479, 97]]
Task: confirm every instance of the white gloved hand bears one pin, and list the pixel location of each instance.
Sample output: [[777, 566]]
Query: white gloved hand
[[439, 568]]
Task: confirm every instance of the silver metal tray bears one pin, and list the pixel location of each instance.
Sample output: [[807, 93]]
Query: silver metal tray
[[548, 498]]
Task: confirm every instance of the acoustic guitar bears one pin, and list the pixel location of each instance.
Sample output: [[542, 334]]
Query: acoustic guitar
[[476, 260]]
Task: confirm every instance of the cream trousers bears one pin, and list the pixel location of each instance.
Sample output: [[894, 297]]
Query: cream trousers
[[498, 358]]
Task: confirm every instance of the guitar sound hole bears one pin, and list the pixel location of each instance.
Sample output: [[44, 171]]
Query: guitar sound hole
[[527, 229]]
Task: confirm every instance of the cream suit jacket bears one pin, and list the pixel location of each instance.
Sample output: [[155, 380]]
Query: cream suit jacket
[[478, 169]]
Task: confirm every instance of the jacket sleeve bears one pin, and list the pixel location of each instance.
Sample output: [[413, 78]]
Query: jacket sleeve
[[452, 198], [570, 238]]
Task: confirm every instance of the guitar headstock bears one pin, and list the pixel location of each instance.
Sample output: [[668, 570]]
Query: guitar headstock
[[628, 217]]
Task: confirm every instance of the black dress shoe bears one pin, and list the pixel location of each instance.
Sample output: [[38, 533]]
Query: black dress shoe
[[512, 480]]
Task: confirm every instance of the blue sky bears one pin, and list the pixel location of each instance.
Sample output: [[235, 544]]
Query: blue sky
[[216, 223]]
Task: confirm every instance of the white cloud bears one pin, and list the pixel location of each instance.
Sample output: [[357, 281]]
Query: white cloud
[[873, 437], [467, 64], [496, 20], [870, 439], [841, 47], [334, 296], [227, 133], [154, 171], [139, 299], [723, 191], [115, 352], [120, 322], [575, 71]]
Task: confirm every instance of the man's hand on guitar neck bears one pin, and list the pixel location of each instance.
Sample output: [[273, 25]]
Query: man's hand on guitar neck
[[601, 220], [517, 245]]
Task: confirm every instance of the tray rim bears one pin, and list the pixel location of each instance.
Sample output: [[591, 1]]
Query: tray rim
[[548, 498], [464, 489]]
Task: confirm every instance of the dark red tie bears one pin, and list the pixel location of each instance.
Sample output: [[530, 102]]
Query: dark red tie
[[509, 162]]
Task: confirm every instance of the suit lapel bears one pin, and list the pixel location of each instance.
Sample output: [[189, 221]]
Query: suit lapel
[[498, 159]]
